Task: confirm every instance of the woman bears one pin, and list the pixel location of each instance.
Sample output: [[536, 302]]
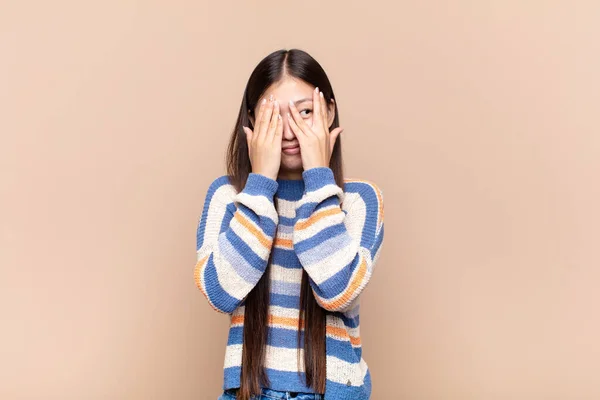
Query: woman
[[285, 244]]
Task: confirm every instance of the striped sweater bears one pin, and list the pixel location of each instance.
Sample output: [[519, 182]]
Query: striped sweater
[[334, 234]]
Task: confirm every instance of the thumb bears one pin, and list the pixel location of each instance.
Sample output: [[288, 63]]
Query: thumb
[[333, 135], [248, 133]]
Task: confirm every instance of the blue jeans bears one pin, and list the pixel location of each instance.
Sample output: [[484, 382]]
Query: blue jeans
[[268, 394]]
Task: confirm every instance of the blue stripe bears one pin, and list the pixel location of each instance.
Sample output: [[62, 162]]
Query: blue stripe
[[288, 288], [280, 380], [286, 258], [245, 251], [317, 177], [307, 209], [330, 201], [320, 237], [334, 390], [369, 196], [266, 224], [286, 221], [215, 292], [349, 322], [327, 248], [342, 350], [229, 212], [277, 337], [286, 338], [248, 272], [260, 185], [231, 377], [283, 300], [236, 335], [378, 241]]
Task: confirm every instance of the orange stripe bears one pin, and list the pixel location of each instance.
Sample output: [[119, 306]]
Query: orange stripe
[[287, 243], [317, 217], [197, 278], [347, 294], [293, 322], [265, 241], [341, 332], [272, 320], [197, 271]]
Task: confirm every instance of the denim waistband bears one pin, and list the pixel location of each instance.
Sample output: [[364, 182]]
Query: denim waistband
[[279, 395]]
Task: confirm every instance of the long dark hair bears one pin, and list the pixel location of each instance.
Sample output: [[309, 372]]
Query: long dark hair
[[276, 66]]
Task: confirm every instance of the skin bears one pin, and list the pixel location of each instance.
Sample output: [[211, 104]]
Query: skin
[[292, 113]]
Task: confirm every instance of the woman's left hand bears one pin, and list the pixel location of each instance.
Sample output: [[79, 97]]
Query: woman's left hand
[[316, 142]]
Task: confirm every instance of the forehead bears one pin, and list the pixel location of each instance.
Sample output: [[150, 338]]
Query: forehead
[[290, 89]]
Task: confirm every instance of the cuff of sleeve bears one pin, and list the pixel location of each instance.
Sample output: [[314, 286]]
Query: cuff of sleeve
[[316, 178], [258, 184]]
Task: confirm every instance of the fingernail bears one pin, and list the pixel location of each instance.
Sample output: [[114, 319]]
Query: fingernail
[[291, 104], [321, 93], [317, 89], [264, 101], [276, 103], [271, 98], [279, 116]]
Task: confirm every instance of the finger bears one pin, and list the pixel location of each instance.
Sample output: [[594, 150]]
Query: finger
[[296, 129], [317, 110], [279, 131], [324, 112], [299, 121], [248, 133], [333, 137], [266, 119], [258, 116], [273, 122]]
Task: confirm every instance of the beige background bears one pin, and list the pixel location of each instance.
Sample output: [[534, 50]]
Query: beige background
[[479, 120]]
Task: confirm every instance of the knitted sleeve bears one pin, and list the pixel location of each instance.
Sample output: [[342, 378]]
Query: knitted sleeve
[[234, 239], [338, 246]]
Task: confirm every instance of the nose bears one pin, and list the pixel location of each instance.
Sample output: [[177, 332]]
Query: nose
[[288, 133]]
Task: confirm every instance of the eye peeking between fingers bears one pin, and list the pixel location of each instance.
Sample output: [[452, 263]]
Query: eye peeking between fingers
[[306, 112]]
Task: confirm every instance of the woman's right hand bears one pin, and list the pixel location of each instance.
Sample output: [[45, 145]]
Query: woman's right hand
[[264, 143]]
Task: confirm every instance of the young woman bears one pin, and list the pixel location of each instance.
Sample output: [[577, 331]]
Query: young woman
[[286, 245]]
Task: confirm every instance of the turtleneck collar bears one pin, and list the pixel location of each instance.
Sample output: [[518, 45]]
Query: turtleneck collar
[[290, 189]]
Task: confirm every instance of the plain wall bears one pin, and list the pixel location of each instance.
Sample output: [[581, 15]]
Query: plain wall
[[479, 120]]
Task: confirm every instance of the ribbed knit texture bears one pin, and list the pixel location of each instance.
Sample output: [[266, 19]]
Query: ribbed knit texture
[[334, 234]]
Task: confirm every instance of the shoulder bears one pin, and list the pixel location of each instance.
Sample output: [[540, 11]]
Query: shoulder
[[221, 189], [366, 189], [363, 193]]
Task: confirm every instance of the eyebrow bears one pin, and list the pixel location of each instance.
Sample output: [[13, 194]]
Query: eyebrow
[[303, 100]]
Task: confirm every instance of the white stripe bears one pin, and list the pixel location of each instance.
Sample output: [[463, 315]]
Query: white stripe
[[286, 274], [322, 194], [328, 267], [215, 215], [251, 240], [259, 204], [356, 218], [278, 358], [229, 279], [284, 312], [343, 372], [233, 356], [324, 222], [286, 208]]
